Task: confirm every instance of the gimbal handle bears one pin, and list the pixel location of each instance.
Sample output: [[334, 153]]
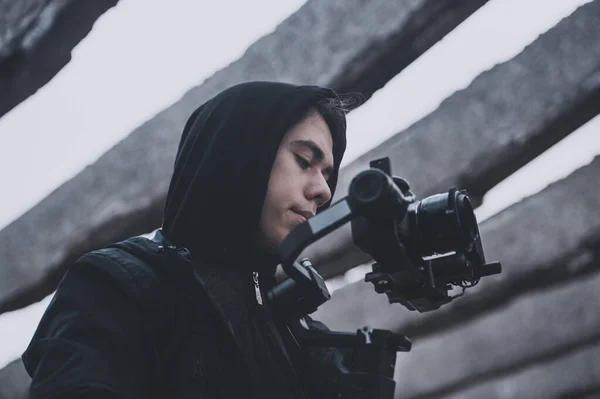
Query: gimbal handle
[[369, 372]]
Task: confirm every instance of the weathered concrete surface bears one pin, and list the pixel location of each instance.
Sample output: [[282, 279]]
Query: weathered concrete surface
[[534, 329], [480, 135], [36, 39], [545, 239], [14, 381], [573, 376], [349, 45]]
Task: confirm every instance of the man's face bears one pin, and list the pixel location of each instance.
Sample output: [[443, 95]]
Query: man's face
[[298, 180]]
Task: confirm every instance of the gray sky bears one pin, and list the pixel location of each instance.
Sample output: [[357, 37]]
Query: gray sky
[[138, 59]]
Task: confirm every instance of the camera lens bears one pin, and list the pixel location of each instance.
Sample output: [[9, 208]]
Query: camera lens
[[367, 186], [466, 219], [443, 223]]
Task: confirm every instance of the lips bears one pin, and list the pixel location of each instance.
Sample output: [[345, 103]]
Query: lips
[[301, 218], [304, 214]]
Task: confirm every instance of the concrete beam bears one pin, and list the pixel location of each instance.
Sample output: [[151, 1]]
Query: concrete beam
[[536, 329], [574, 375], [480, 135], [14, 381], [546, 239], [36, 39], [346, 44]]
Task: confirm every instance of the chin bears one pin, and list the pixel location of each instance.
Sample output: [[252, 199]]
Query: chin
[[281, 237], [272, 243], [276, 242]]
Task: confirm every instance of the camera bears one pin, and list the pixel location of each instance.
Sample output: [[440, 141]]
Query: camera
[[423, 249]]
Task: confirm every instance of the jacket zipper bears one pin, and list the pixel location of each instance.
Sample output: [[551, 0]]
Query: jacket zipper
[[257, 288]]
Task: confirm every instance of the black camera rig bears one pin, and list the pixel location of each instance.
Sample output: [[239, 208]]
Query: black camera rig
[[422, 251]]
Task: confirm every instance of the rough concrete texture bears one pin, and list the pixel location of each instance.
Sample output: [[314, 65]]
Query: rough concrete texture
[[14, 381], [545, 239], [349, 45], [575, 375], [534, 329], [479, 136], [36, 39]]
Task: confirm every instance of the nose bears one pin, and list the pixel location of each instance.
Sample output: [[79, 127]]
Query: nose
[[318, 191]]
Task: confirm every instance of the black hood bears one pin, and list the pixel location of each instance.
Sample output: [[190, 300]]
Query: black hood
[[223, 165]]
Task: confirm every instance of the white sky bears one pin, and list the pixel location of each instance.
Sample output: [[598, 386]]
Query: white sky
[[143, 56]]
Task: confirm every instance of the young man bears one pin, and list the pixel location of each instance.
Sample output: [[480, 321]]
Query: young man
[[186, 315]]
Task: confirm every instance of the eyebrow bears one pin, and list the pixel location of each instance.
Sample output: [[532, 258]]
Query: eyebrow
[[317, 152]]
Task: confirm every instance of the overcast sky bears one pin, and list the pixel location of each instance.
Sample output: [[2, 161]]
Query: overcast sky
[[142, 56]]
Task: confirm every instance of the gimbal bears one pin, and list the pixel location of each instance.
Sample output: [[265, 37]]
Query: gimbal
[[422, 249]]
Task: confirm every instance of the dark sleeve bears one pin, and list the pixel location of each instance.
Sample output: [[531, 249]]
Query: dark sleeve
[[91, 341]]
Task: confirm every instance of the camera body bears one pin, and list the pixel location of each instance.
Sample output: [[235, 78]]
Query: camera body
[[423, 249]]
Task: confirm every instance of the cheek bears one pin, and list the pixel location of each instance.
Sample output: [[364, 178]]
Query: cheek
[[281, 188], [284, 191], [279, 219], [275, 209], [279, 202]]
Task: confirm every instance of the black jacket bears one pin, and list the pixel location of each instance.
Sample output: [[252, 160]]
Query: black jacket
[[135, 320], [179, 318]]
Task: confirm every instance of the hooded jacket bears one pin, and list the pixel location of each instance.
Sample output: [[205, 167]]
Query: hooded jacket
[[224, 162], [177, 316]]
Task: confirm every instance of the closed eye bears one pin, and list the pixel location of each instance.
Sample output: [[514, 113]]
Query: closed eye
[[303, 163]]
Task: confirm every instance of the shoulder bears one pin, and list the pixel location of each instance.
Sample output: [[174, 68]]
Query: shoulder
[[133, 267], [132, 261]]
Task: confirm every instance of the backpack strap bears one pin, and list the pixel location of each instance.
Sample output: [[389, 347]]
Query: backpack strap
[[182, 320]]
